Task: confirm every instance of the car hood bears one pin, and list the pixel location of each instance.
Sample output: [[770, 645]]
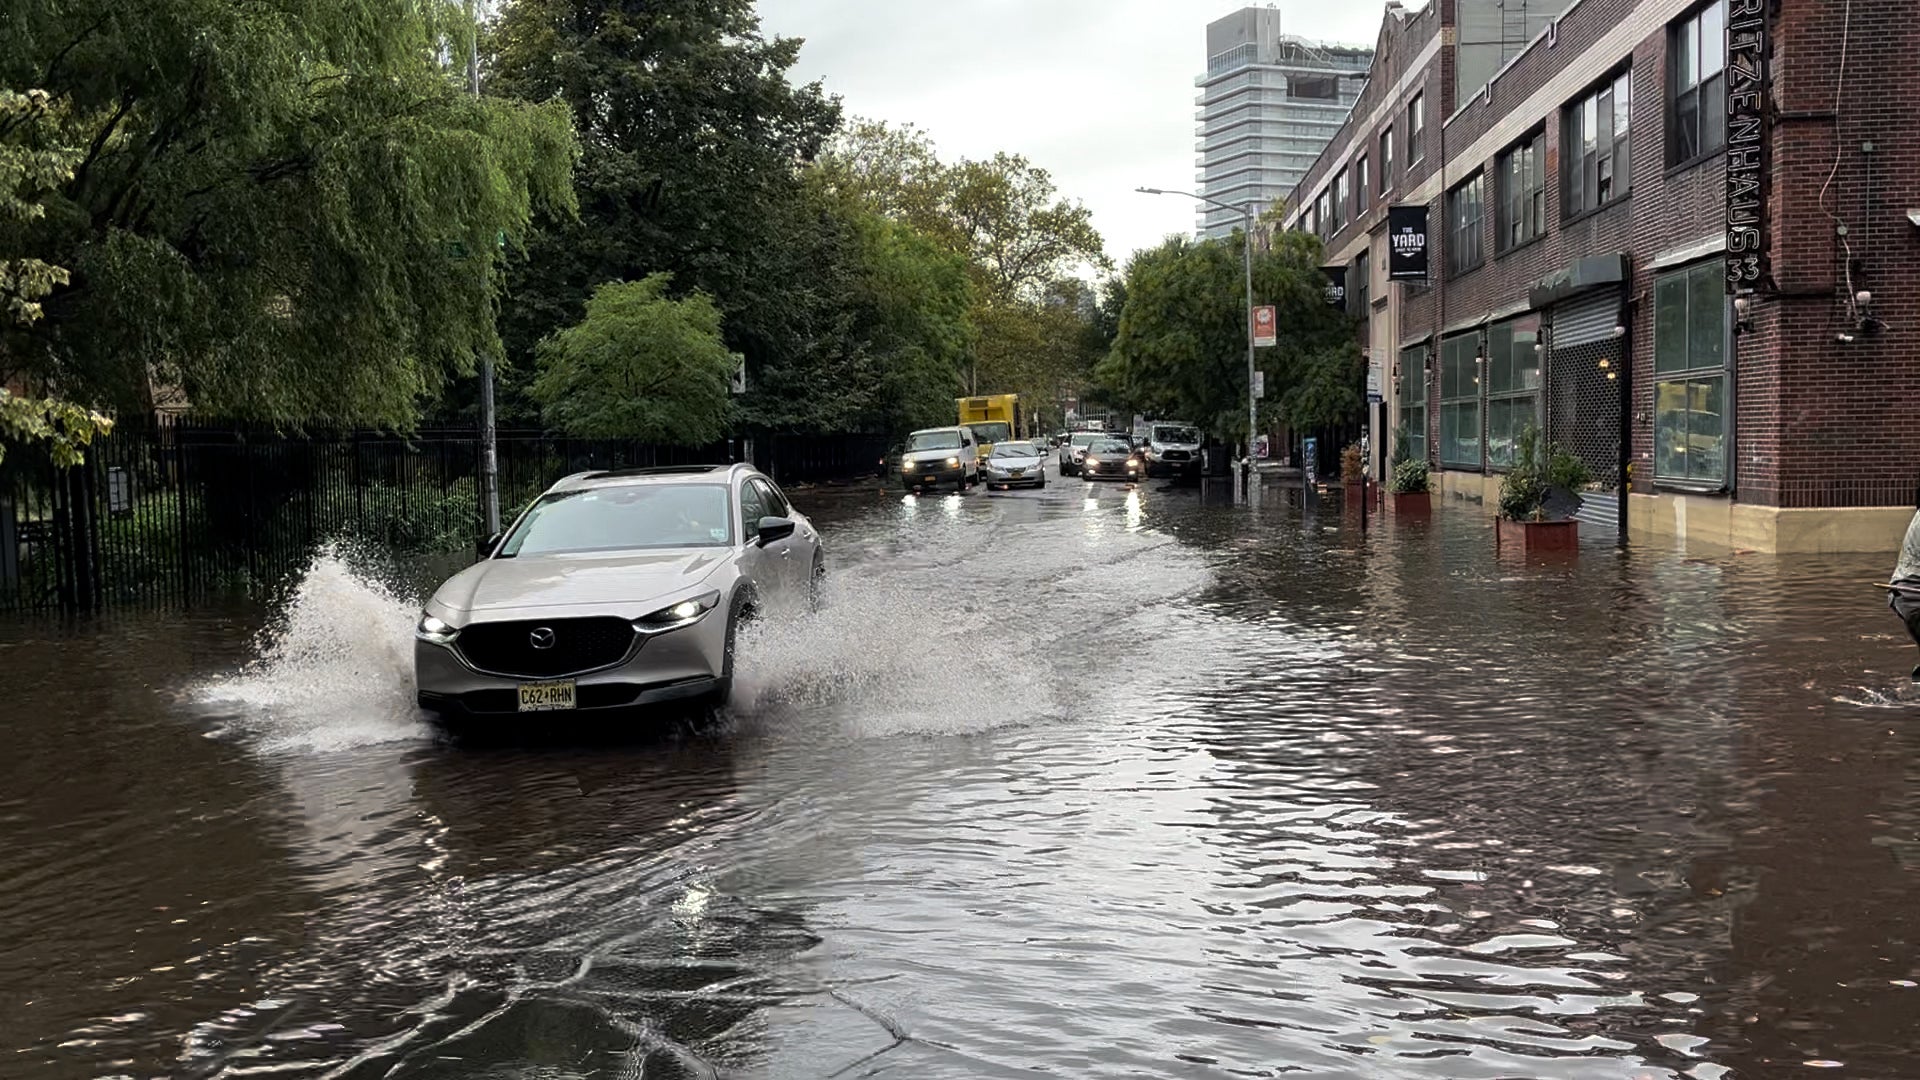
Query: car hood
[[1158, 445], [1013, 462], [629, 583], [930, 455]]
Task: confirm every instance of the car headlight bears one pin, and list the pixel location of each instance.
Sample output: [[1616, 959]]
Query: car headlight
[[953, 462], [675, 616], [908, 466], [435, 631]]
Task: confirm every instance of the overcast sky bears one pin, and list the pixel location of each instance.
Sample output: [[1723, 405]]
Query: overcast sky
[[1098, 92]]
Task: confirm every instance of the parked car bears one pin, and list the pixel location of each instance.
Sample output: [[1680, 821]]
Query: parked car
[[614, 590], [1016, 464], [1075, 449], [1110, 458], [936, 456]]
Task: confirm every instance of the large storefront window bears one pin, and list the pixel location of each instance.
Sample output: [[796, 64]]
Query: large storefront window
[[1460, 401], [1513, 385], [1413, 400], [1690, 404]]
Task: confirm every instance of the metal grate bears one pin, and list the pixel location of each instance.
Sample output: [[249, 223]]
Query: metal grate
[[1583, 414], [506, 648]]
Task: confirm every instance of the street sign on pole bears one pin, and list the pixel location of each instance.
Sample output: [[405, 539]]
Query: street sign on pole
[[1266, 332], [1259, 384], [1374, 379]]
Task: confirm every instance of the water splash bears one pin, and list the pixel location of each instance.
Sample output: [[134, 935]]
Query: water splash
[[334, 667]]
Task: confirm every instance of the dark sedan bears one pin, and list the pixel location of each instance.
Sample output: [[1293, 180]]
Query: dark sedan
[[1110, 459]]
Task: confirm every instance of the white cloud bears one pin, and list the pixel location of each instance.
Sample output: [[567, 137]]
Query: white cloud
[[1098, 93]]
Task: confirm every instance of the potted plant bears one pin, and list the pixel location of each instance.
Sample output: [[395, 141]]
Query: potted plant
[[1540, 495], [1410, 487], [1353, 472]]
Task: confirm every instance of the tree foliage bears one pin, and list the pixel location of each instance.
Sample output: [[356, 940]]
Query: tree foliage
[[1181, 344], [268, 202], [639, 365]]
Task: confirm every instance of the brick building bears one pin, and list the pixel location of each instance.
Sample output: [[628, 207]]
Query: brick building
[[1581, 202]]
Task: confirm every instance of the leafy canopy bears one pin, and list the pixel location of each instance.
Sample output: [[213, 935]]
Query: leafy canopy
[[640, 365], [268, 203]]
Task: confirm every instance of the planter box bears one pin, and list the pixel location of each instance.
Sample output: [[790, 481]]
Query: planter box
[[1413, 503], [1539, 535]]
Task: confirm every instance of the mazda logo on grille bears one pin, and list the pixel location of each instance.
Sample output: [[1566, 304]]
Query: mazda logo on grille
[[541, 638]]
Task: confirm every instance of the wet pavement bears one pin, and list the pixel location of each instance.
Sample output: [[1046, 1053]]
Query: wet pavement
[[1082, 782]]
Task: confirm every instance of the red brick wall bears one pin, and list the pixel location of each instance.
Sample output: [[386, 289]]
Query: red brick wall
[[1825, 422]]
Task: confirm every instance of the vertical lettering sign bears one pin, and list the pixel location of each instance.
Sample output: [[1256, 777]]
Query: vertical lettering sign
[[1406, 243], [1747, 144]]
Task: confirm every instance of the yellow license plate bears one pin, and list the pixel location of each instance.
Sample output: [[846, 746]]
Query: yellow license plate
[[1018, 473], [546, 696]]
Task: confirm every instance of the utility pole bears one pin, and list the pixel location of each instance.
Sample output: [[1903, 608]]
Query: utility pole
[[489, 455]]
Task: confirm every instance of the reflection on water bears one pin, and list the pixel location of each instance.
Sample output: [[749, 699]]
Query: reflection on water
[[1090, 781]]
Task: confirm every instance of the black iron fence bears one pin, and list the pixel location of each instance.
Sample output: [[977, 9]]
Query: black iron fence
[[175, 514]]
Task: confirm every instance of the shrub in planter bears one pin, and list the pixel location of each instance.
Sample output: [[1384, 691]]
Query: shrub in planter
[[1353, 468], [1541, 493], [1409, 485]]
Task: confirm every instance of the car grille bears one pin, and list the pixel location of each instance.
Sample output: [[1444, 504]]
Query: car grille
[[506, 648], [1176, 455]]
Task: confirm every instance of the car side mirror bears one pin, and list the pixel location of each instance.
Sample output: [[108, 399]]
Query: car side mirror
[[485, 547], [775, 529]]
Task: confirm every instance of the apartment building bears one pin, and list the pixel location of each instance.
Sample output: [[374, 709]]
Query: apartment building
[[1266, 108], [1681, 237]]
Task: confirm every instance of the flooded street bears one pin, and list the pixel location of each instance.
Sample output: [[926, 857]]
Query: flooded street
[[1081, 782]]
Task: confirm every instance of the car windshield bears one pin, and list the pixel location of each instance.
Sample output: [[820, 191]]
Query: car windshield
[[1015, 450], [933, 440], [1175, 435], [624, 517], [997, 431], [1084, 438], [1110, 446]]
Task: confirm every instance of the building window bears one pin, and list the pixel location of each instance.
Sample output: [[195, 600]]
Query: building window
[[1413, 400], [1460, 401], [1386, 160], [1697, 64], [1523, 193], [1342, 198], [1360, 185], [1596, 147], [1513, 385], [1321, 218], [1465, 207], [1313, 88], [1416, 130], [1690, 376], [1360, 284]]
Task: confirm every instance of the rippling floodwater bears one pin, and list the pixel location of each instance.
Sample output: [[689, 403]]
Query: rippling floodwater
[[1108, 784]]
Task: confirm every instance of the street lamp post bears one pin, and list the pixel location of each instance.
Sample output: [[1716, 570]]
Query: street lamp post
[[1246, 235]]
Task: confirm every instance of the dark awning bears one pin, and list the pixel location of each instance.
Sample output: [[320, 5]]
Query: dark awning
[[1581, 275]]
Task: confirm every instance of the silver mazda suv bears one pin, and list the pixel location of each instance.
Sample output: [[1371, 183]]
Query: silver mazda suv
[[613, 590]]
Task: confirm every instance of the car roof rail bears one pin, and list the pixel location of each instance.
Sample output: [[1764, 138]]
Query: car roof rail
[[652, 470]]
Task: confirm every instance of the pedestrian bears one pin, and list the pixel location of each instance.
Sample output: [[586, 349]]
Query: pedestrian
[[1903, 593]]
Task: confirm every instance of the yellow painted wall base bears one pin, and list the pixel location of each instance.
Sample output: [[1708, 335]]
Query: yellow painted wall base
[[1724, 523], [1770, 529]]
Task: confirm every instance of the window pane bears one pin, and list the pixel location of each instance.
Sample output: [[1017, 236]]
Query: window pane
[[1526, 358], [1622, 104], [1713, 113], [1500, 358], [1670, 323], [1670, 430], [1686, 56], [1713, 40], [1589, 126], [1706, 430], [1686, 126], [1706, 318]]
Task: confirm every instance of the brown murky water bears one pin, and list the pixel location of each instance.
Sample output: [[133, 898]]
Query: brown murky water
[[1109, 784]]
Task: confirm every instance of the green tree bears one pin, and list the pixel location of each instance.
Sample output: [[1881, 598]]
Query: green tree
[[25, 171], [267, 203], [693, 142], [639, 365], [1180, 347]]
